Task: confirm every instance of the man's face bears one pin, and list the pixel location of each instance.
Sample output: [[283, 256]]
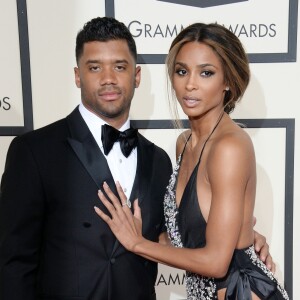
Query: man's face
[[107, 76]]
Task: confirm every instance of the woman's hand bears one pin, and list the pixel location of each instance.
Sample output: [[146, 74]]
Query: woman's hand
[[127, 227]]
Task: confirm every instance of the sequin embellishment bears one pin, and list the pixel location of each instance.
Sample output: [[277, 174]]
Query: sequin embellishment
[[256, 261], [197, 287]]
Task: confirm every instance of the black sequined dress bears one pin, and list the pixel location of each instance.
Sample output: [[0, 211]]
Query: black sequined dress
[[186, 228]]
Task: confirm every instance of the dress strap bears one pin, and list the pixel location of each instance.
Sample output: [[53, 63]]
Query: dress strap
[[218, 122], [186, 144]]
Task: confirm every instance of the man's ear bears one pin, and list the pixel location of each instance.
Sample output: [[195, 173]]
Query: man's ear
[[77, 77], [138, 72]]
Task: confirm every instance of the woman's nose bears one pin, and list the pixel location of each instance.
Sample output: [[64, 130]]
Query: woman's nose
[[191, 83]]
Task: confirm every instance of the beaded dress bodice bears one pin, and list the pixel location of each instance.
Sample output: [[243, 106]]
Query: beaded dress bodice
[[180, 226], [197, 287]]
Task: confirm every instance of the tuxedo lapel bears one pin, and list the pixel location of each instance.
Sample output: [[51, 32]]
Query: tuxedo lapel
[[144, 167], [143, 174], [85, 147]]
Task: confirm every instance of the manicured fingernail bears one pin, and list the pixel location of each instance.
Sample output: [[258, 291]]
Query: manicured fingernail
[[100, 192], [105, 184]]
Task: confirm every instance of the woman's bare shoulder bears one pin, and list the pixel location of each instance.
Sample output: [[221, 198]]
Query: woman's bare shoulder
[[232, 145], [233, 135]]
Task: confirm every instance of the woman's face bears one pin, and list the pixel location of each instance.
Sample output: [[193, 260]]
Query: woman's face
[[198, 80]]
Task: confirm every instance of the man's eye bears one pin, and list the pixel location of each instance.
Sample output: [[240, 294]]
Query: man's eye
[[94, 68], [120, 68]]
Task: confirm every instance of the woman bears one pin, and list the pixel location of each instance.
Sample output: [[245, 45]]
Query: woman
[[210, 199]]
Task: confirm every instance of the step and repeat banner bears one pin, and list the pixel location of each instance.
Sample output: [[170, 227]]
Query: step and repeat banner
[[268, 30], [15, 89]]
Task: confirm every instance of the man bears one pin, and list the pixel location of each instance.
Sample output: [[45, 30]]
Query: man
[[52, 243]]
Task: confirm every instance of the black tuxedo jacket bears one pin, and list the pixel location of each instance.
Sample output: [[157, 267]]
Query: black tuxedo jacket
[[52, 243]]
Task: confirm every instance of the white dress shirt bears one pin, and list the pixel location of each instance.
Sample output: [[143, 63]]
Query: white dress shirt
[[122, 169]]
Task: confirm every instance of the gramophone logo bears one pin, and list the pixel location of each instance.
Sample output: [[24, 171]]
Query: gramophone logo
[[202, 3]]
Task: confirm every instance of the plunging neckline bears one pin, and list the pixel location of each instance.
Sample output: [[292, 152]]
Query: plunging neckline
[[196, 166]]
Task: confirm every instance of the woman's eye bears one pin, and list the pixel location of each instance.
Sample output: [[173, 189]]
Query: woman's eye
[[181, 72], [207, 73]]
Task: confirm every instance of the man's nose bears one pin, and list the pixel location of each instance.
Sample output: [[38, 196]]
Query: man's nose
[[108, 76]]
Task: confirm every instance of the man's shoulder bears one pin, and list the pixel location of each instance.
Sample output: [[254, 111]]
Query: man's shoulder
[[147, 143], [144, 142], [38, 140], [44, 135], [46, 131]]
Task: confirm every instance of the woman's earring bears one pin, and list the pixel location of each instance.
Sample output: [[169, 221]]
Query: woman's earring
[[227, 88]]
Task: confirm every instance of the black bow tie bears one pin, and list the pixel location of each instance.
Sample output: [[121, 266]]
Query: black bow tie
[[127, 139]]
